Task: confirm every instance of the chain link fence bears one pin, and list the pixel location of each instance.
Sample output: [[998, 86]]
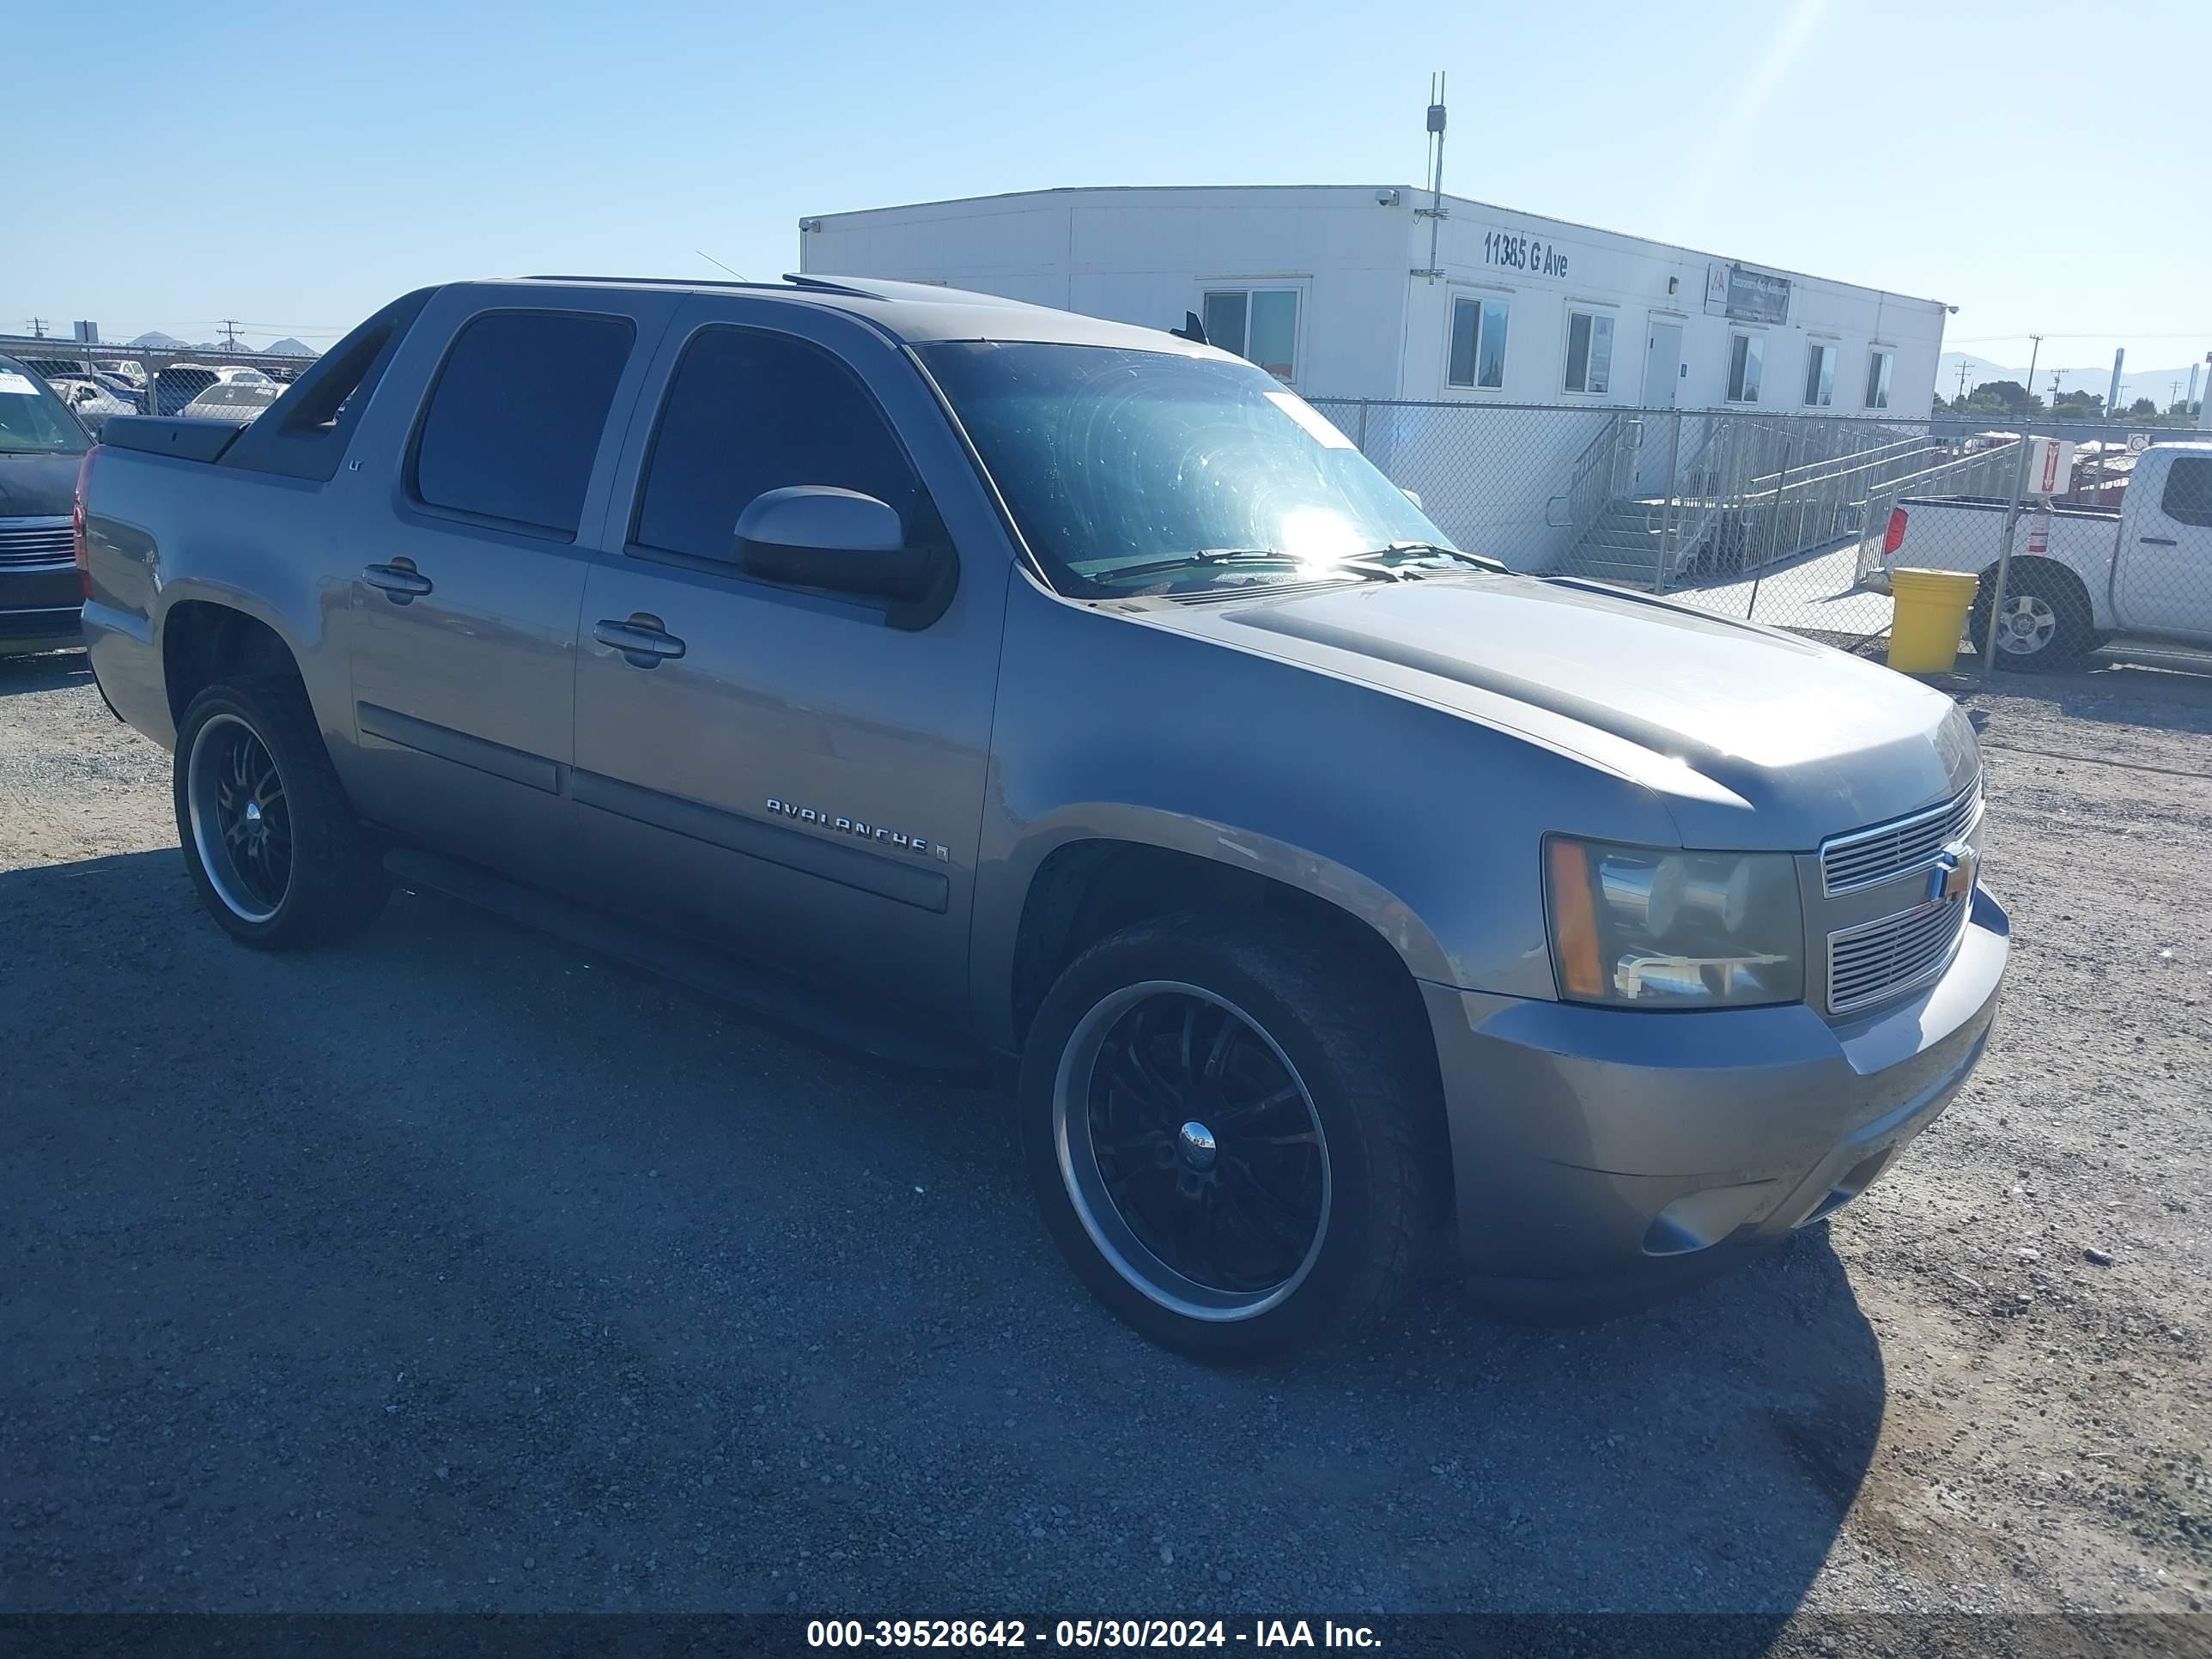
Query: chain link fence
[[1798, 521], [100, 381]]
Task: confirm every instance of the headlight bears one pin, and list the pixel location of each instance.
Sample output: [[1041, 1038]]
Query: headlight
[[1644, 928]]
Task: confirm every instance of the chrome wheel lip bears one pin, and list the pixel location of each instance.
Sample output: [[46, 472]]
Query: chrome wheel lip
[[1084, 1183], [202, 793], [2042, 624]]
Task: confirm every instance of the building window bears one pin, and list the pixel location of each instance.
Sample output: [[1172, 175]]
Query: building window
[[1746, 358], [1877, 387], [1259, 324], [1589, 352], [1478, 343], [1819, 375]]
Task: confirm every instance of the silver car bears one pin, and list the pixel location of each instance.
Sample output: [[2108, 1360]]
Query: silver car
[[1077, 697]]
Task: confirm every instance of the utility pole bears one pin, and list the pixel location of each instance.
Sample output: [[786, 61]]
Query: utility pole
[[2031, 357], [38, 328], [2055, 373], [229, 333], [1962, 376]]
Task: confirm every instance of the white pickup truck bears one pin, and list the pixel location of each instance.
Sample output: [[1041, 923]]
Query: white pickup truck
[[2078, 575]]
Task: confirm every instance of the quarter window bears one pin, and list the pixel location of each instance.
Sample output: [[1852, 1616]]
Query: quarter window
[[749, 411], [1747, 361], [1259, 324], [1478, 343], [515, 418], [1589, 352], [1819, 375], [1877, 386], [2188, 497]]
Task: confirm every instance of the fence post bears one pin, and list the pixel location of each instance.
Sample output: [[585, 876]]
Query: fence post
[[1672, 516], [1989, 644], [1781, 481], [1363, 426]]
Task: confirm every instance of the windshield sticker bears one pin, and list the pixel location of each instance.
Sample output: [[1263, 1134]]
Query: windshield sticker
[[18, 385], [1316, 423]]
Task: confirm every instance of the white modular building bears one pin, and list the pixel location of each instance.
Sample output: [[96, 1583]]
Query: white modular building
[[1360, 291]]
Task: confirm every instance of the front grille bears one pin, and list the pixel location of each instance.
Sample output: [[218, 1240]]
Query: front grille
[[1889, 850], [1881, 958], [35, 542]]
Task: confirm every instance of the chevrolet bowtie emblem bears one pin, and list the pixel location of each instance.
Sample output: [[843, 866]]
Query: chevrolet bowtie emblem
[[1954, 875]]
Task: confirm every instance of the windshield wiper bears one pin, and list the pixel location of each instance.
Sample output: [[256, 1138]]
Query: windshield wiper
[[1206, 557], [1438, 549]]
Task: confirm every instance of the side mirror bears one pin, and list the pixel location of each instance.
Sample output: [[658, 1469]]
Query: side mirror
[[817, 535]]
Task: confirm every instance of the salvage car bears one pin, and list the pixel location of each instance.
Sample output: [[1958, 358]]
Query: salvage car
[[41, 444], [1077, 697]]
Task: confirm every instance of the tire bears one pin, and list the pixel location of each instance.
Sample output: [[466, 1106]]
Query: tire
[[303, 872], [1313, 1206], [2047, 623]]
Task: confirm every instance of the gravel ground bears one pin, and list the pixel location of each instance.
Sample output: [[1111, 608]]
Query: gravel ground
[[453, 1270]]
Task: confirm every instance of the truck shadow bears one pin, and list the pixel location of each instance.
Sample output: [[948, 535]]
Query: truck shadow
[[52, 670], [452, 1230]]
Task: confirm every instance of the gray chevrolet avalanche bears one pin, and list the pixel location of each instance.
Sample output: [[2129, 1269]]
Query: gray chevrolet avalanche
[[1339, 902]]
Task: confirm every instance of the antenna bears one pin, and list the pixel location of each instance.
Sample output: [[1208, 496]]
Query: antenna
[[712, 260], [1435, 213]]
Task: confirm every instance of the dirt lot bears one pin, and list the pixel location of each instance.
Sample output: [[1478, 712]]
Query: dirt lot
[[455, 1270]]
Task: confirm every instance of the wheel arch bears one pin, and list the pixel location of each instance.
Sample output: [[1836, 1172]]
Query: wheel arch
[[205, 640], [1083, 887]]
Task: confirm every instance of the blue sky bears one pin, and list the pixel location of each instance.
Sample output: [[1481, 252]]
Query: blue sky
[[294, 166]]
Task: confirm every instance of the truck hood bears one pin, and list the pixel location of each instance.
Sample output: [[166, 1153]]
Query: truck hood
[[1755, 740], [41, 486]]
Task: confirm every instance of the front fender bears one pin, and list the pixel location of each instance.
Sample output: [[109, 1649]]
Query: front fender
[[1424, 824]]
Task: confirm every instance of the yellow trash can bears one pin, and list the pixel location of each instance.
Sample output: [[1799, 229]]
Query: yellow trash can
[[1929, 619]]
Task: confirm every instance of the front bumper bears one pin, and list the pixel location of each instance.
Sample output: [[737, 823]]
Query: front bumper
[[38, 608], [1596, 1147]]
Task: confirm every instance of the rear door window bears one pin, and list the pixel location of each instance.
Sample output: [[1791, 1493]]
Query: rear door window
[[749, 411], [515, 418], [2188, 498]]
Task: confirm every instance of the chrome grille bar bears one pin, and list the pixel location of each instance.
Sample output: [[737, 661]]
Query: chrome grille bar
[[1887, 851], [1879, 959]]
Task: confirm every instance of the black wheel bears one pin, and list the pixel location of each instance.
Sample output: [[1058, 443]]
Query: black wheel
[[2044, 625], [1230, 1140], [272, 844]]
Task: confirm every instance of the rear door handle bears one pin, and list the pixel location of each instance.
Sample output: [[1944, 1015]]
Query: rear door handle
[[2156, 541], [642, 640], [401, 582]]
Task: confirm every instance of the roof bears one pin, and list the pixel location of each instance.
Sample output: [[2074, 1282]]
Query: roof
[[1412, 195], [916, 313]]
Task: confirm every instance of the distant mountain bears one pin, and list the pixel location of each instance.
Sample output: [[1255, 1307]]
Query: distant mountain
[[2155, 384], [156, 337], [288, 347]]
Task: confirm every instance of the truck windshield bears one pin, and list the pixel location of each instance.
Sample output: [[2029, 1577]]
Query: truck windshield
[[1130, 470], [33, 420]]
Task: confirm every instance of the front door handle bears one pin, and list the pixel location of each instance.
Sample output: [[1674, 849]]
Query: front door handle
[[402, 583], [2156, 541], [642, 640]]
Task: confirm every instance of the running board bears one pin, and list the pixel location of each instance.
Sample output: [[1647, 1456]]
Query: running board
[[776, 999]]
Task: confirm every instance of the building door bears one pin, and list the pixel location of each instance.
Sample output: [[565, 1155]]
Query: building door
[[1663, 365]]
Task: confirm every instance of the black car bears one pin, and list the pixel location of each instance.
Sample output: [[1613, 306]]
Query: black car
[[41, 446]]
